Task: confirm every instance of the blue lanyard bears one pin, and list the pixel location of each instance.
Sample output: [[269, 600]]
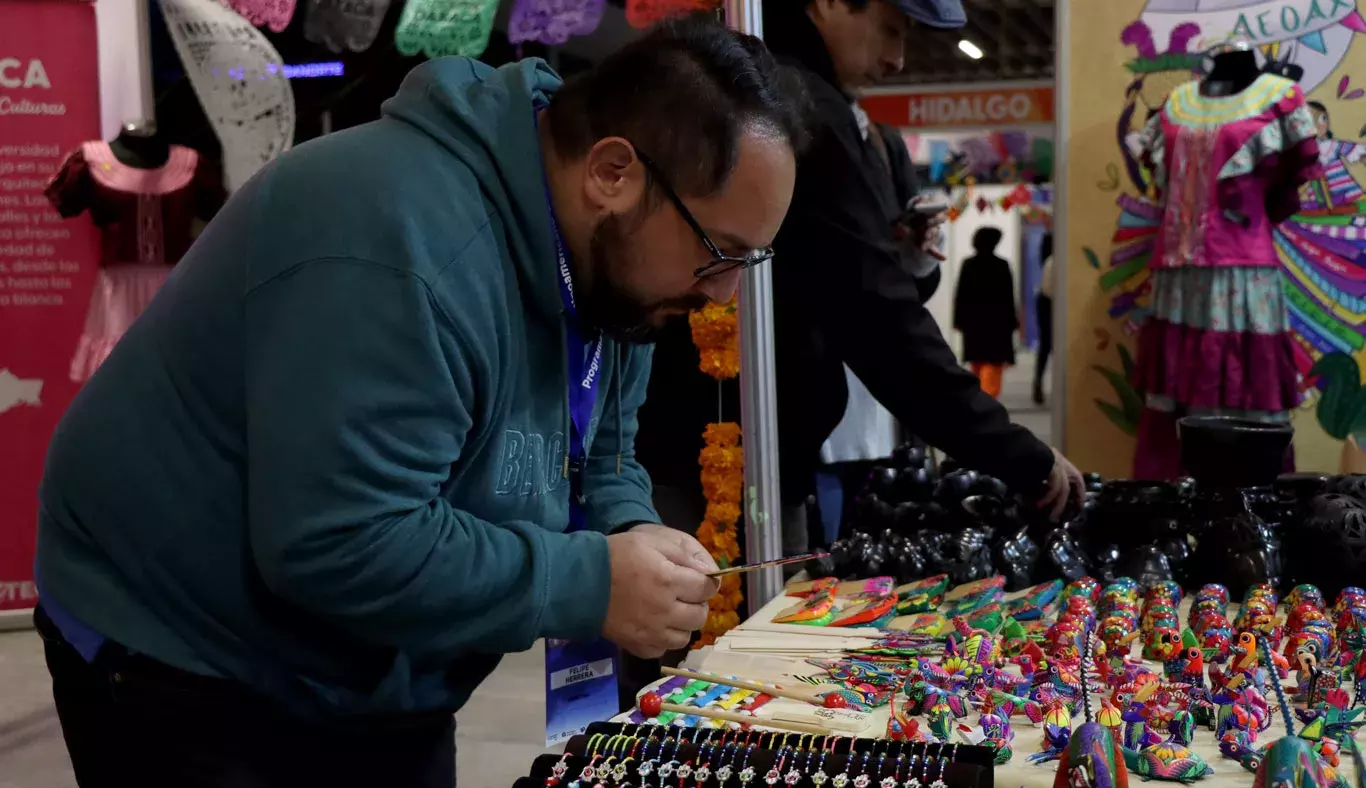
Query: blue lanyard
[[583, 383]]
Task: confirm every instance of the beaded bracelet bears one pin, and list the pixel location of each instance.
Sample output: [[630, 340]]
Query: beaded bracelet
[[747, 772], [863, 780], [819, 777]]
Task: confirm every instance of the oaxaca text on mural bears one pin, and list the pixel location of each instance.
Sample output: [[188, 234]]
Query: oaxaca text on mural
[[962, 108]]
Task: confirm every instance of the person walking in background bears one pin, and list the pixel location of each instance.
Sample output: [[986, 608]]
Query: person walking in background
[[1044, 309], [984, 310]]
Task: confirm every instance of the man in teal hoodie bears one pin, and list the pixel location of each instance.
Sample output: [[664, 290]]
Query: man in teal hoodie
[[377, 429]]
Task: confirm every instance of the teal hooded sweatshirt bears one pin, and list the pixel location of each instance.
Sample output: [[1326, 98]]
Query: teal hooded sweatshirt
[[327, 462]]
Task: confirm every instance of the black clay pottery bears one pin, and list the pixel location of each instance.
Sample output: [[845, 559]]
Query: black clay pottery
[[843, 554], [1094, 482], [971, 556], [1335, 537], [909, 454], [1265, 503], [909, 564], [1234, 547], [914, 484], [1294, 491], [1064, 555], [1015, 557], [1133, 513], [1353, 485], [1177, 549], [824, 566], [1230, 453], [883, 482], [954, 487], [1148, 565]]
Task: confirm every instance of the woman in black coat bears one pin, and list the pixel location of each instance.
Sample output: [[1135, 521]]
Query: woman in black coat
[[984, 310]]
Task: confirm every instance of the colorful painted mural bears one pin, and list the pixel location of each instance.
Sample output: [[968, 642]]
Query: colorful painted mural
[[1322, 249]]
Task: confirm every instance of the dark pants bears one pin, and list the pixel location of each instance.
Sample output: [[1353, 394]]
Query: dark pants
[[1045, 316], [132, 721]]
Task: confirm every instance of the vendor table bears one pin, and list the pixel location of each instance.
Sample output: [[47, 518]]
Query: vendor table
[[736, 655]]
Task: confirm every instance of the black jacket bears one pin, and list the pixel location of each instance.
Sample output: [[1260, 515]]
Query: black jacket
[[841, 298]]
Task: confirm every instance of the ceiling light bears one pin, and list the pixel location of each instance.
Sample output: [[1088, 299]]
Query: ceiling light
[[970, 49]]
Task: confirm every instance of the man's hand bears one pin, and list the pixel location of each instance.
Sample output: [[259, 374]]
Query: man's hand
[[920, 232], [659, 590], [1065, 484]]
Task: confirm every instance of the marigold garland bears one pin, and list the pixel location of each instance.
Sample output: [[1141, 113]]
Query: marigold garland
[[716, 333]]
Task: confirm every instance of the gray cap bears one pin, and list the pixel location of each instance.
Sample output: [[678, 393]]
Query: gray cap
[[944, 14]]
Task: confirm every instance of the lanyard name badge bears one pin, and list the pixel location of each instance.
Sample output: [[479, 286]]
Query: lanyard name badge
[[580, 677], [584, 361]]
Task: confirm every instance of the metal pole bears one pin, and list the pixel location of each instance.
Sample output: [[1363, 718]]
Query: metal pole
[[144, 42], [758, 394], [1061, 196]]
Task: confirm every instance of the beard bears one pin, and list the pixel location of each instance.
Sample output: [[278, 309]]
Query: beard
[[609, 306]]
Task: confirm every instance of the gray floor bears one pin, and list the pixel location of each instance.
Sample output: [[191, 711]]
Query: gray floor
[[501, 730]]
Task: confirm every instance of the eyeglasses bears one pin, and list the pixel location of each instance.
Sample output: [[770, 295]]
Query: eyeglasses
[[720, 261]]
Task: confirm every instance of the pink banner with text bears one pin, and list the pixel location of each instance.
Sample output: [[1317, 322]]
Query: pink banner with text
[[49, 103]]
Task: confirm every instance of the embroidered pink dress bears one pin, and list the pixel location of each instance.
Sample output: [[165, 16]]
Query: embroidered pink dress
[[146, 218], [1228, 170]]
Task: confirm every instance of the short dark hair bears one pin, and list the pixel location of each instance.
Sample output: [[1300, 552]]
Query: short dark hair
[[684, 92]]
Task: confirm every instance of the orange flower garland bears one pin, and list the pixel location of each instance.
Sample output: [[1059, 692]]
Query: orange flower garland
[[716, 333]]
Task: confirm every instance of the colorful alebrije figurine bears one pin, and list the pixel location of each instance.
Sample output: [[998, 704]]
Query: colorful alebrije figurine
[[1057, 732], [1137, 736], [1290, 762], [941, 721], [921, 596], [1161, 644], [1169, 761], [998, 735], [1034, 602], [1011, 705], [1092, 759]]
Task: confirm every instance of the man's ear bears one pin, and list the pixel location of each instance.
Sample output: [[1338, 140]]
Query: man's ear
[[614, 177]]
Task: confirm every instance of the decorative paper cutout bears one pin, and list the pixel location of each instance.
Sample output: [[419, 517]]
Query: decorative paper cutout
[[274, 14], [553, 22], [344, 24], [445, 27], [643, 13], [237, 76]]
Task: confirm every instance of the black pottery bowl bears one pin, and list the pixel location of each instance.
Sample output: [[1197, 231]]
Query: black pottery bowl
[[1225, 452]]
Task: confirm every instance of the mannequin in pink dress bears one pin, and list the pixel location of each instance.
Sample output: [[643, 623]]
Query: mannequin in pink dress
[[145, 195]]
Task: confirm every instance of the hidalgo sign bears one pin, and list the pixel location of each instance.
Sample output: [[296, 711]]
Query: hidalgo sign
[[1005, 106]]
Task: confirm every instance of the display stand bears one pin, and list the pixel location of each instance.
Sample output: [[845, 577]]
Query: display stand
[[966, 767]]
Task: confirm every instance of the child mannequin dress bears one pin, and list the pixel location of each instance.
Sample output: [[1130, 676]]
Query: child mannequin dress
[[146, 217]]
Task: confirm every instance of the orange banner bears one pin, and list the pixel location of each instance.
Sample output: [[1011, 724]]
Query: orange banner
[[962, 108]]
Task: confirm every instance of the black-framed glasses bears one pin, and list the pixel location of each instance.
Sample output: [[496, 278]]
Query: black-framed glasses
[[720, 261]]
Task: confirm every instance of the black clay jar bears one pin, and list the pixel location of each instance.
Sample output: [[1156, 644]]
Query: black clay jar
[[1225, 452], [1335, 533], [1134, 513], [1234, 547], [1353, 484], [908, 564], [1147, 565], [1015, 556], [1064, 556], [1295, 492], [971, 556]]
